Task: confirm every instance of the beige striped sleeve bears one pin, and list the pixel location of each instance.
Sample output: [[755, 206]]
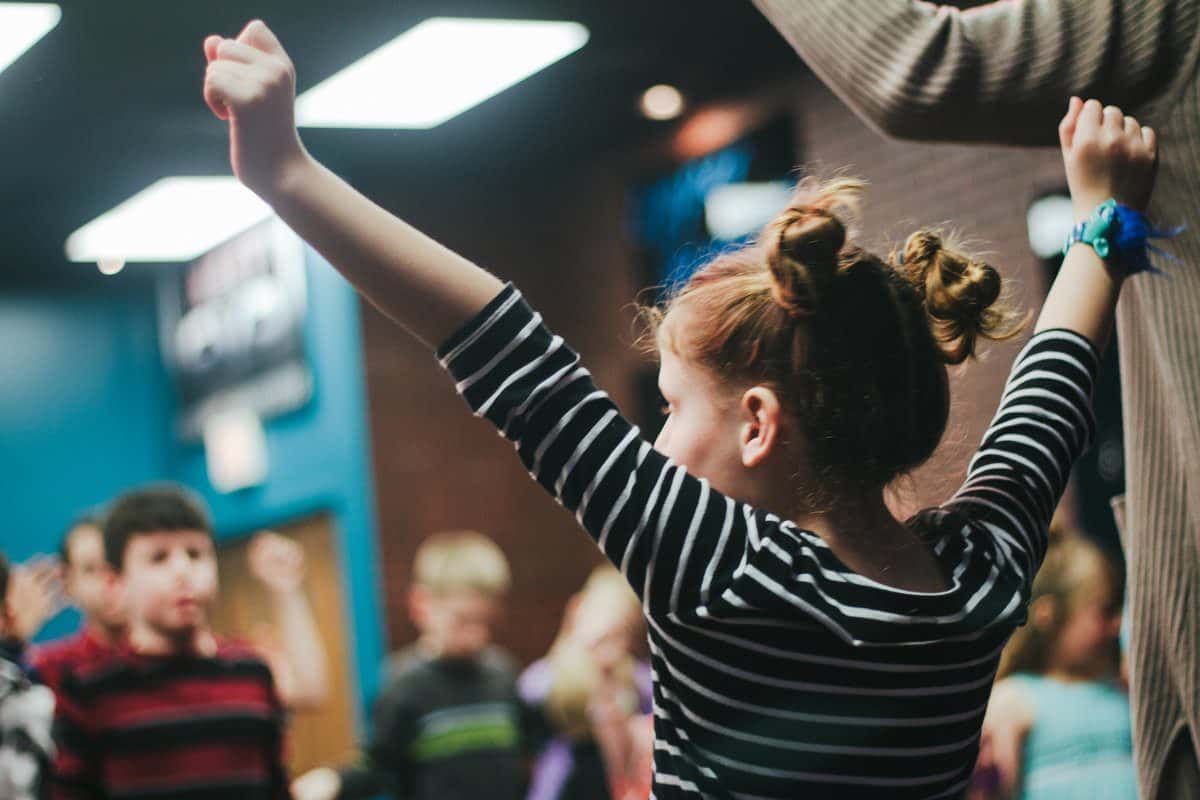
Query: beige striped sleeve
[[996, 73]]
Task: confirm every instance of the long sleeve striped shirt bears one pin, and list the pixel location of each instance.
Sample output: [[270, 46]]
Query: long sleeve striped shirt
[[779, 672]]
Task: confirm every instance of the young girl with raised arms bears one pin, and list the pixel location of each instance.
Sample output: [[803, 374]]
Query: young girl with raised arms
[[804, 642]]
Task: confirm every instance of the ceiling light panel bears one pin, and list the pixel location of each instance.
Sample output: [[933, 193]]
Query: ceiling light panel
[[436, 71], [22, 25], [176, 219]]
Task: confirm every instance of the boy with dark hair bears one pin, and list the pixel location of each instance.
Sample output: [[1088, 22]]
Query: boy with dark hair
[[26, 710], [276, 562], [174, 711]]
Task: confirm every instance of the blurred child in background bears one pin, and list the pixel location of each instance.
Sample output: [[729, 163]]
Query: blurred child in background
[[26, 710], [173, 710], [90, 587], [298, 662], [595, 696], [448, 723], [1058, 724]]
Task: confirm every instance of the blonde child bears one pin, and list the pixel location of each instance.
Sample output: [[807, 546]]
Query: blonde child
[[448, 723], [1058, 725], [594, 694], [804, 641]]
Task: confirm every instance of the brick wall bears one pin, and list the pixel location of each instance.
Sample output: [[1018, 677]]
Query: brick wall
[[435, 466]]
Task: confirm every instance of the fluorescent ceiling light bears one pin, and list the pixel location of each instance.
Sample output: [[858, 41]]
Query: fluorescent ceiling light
[[436, 71], [737, 209], [175, 219], [22, 25]]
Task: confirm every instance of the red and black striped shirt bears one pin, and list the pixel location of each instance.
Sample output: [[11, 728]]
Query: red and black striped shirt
[[183, 727], [50, 663]]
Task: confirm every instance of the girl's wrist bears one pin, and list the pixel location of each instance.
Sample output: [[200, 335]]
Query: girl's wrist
[[1118, 234], [287, 179], [1085, 205]]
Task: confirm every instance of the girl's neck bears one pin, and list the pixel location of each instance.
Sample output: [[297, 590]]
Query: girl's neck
[[867, 538], [850, 519]]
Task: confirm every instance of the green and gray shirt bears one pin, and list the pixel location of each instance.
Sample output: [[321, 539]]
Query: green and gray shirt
[[444, 729]]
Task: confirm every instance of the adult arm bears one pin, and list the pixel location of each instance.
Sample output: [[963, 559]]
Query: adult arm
[[997, 73]]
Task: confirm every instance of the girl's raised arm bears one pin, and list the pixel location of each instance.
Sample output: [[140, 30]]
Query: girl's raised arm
[[423, 286], [1045, 421]]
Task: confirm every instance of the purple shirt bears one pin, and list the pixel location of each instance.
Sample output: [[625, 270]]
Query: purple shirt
[[556, 761]]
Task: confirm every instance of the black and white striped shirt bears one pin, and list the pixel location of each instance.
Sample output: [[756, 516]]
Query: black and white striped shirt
[[780, 672]]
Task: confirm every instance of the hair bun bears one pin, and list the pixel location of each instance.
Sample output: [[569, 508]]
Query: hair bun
[[804, 256], [960, 295], [812, 236]]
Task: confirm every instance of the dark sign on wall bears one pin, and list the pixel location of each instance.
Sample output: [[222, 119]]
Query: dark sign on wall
[[683, 216], [233, 329]]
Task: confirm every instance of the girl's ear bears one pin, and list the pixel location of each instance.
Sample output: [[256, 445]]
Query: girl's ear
[[1043, 612], [761, 417]]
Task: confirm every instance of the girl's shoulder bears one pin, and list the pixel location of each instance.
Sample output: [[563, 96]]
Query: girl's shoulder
[[956, 537], [937, 523]]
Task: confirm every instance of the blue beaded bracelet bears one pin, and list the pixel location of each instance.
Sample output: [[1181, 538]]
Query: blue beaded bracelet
[[1118, 232]]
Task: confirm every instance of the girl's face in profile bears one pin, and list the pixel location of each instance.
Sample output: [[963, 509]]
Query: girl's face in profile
[[703, 428]]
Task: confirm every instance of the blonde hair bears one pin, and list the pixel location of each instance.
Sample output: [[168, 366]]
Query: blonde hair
[[455, 560], [1073, 567], [856, 346], [574, 673]]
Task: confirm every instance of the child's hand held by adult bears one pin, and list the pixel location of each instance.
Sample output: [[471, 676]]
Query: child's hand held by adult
[[1106, 154]]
